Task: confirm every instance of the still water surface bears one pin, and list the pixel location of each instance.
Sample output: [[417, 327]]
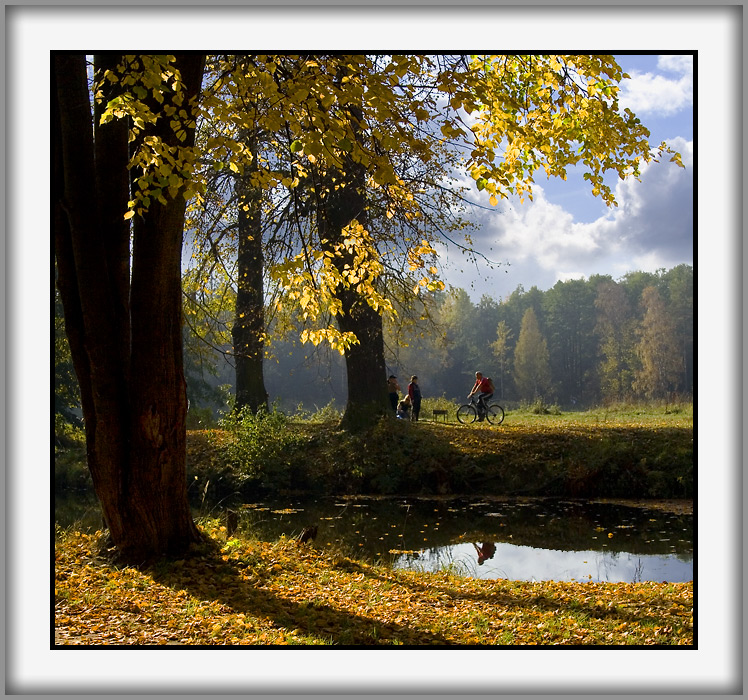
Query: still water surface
[[524, 540], [520, 563]]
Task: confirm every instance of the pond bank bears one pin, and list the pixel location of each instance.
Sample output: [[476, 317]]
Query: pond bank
[[533, 539], [532, 456], [604, 455]]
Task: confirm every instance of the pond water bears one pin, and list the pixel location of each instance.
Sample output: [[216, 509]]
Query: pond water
[[520, 563], [524, 540]]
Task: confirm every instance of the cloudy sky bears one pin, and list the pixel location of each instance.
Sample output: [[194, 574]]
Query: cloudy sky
[[566, 233]]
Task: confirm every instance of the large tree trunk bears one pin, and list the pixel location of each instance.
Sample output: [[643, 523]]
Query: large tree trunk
[[365, 364], [249, 320], [125, 333]]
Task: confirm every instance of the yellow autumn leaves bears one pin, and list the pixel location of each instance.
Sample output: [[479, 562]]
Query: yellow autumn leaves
[[515, 115], [553, 112], [313, 281], [281, 593]]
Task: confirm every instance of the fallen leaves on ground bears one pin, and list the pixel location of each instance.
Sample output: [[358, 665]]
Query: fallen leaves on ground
[[244, 592]]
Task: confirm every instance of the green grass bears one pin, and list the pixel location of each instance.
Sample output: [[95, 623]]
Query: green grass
[[612, 452], [633, 451]]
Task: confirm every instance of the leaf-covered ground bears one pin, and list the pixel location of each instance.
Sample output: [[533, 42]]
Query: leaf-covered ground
[[242, 592]]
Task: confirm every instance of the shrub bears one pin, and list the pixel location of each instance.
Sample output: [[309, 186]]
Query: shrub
[[71, 470], [258, 446], [68, 434], [540, 408], [200, 418], [439, 403], [327, 414]]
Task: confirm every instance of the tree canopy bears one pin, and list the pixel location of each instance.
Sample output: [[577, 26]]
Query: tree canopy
[[503, 119]]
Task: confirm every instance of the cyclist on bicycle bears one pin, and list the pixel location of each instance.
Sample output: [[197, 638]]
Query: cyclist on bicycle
[[484, 386]]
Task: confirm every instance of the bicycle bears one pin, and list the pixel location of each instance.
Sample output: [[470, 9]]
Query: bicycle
[[469, 412]]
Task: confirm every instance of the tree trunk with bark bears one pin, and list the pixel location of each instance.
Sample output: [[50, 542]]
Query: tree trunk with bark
[[365, 364], [124, 326], [249, 321]]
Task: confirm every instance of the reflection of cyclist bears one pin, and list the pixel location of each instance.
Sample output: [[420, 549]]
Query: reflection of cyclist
[[484, 385], [485, 551]]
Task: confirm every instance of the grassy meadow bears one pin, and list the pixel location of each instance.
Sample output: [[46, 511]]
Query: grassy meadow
[[624, 451]]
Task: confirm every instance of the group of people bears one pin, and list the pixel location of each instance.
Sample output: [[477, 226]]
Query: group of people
[[409, 407]]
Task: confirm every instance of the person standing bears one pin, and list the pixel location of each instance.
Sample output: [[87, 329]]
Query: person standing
[[414, 392], [393, 388]]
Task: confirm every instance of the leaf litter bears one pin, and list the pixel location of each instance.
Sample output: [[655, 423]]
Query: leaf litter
[[245, 592]]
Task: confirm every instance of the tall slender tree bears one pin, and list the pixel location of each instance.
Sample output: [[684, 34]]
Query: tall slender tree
[[501, 351], [658, 348], [680, 291], [570, 320], [532, 371], [459, 319], [249, 319], [615, 330]]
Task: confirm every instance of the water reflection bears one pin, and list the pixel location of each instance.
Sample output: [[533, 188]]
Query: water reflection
[[521, 563], [561, 540], [485, 551]]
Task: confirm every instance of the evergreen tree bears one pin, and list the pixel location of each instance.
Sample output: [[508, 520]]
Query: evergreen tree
[[570, 319]]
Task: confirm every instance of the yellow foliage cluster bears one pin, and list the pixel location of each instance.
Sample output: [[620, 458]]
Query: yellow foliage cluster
[[514, 115], [313, 281]]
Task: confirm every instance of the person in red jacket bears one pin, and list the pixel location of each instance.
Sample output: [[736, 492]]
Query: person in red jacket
[[414, 392], [483, 386]]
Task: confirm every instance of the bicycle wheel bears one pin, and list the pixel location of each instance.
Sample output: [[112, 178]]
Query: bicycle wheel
[[466, 413], [495, 414]]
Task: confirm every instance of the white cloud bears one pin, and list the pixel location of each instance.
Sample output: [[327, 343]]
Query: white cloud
[[652, 228], [676, 64], [657, 94], [655, 216], [566, 233]]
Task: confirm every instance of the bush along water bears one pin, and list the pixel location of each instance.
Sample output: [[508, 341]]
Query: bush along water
[[257, 447], [605, 453]]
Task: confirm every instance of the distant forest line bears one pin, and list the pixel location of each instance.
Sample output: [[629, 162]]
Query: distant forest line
[[581, 343]]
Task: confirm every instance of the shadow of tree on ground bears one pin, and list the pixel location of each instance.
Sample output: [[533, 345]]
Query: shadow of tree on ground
[[210, 577]]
